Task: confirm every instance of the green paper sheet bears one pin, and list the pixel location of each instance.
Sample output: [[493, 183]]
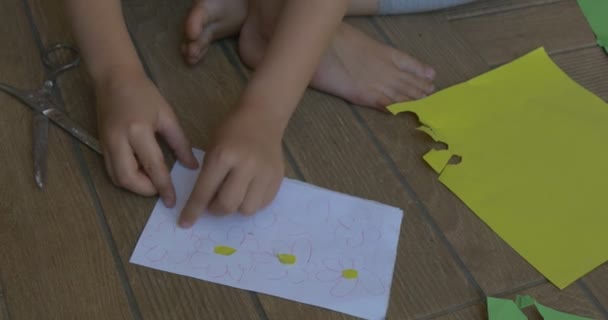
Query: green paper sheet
[[534, 161], [596, 12], [524, 301], [503, 309]]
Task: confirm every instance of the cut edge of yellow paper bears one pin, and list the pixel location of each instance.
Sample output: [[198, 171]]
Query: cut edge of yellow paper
[[438, 160], [410, 106], [428, 130]]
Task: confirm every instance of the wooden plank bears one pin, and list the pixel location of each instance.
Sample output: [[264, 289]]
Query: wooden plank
[[75, 84], [477, 311], [335, 152], [356, 168], [428, 275], [494, 265], [488, 7], [505, 36], [588, 67], [504, 268], [571, 300], [181, 95], [218, 85], [159, 295], [4, 315], [54, 262], [597, 281]]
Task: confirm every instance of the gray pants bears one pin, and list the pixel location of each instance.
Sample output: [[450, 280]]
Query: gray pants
[[393, 7]]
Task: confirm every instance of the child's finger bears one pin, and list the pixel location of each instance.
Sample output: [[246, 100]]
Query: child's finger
[[195, 22], [127, 173], [232, 192], [211, 177], [153, 163], [271, 191], [107, 159], [254, 199], [176, 138]]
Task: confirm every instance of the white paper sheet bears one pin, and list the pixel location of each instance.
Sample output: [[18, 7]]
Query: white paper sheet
[[344, 247]]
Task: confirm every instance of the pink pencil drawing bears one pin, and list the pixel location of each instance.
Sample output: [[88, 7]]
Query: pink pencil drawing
[[317, 211], [357, 229], [224, 254], [310, 245], [266, 219], [288, 261], [158, 244], [348, 276]]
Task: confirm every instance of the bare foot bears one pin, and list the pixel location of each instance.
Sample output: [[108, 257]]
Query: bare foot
[[210, 20], [356, 68], [253, 41], [366, 72]]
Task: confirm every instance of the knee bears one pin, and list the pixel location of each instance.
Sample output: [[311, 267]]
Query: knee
[[267, 26], [265, 18]]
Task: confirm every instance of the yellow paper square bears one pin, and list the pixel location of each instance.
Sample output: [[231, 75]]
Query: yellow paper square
[[534, 161]]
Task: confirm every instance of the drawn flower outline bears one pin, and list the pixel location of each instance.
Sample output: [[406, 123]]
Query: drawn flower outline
[[298, 270], [348, 275], [357, 229], [158, 243], [224, 254]]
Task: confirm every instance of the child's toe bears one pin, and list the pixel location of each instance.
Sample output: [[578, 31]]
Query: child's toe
[[195, 21]]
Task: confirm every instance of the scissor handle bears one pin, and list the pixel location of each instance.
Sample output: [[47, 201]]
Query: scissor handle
[[54, 61]]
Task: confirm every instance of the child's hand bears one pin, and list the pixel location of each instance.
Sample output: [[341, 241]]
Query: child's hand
[[242, 171], [130, 112]]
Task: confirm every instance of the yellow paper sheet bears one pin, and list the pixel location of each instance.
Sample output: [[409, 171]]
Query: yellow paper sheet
[[534, 161]]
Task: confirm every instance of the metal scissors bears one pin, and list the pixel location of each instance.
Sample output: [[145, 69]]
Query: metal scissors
[[57, 59]]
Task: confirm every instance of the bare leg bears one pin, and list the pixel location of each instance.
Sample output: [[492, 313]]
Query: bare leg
[[355, 67], [210, 20], [399, 7]]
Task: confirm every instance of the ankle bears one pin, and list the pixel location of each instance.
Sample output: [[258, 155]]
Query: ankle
[[264, 15], [250, 42]]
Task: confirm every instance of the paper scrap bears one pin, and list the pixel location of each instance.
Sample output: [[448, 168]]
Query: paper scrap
[[501, 309], [524, 301], [534, 161], [552, 314], [504, 309], [310, 245], [596, 12]]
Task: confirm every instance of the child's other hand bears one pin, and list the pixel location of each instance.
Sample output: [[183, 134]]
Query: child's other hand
[[130, 112], [243, 169]]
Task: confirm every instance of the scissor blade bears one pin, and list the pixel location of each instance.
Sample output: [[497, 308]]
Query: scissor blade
[[63, 121], [41, 142]]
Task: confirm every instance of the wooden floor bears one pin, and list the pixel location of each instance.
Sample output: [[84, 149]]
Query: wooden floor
[[65, 251]]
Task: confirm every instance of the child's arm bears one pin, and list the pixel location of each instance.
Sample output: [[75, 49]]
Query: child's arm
[[130, 108], [302, 34], [245, 168], [103, 39]]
